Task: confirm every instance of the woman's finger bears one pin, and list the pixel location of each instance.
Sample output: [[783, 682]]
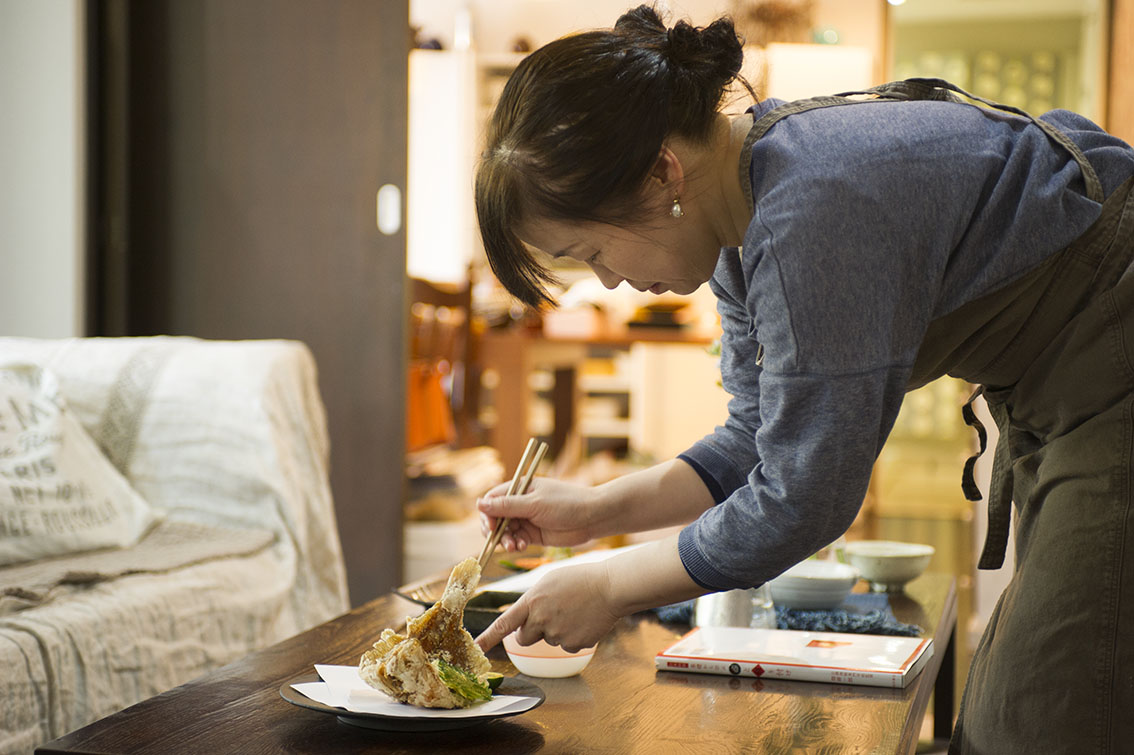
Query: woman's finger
[[505, 624], [506, 506]]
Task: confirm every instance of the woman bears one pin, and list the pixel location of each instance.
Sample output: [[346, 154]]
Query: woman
[[858, 247]]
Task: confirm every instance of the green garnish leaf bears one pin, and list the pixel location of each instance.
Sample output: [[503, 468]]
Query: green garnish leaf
[[462, 683]]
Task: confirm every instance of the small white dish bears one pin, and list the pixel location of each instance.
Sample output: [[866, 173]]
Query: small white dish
[[888, 564], [813, 584], [544, 660]]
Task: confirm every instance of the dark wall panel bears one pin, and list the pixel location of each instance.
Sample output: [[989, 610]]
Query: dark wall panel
[[255, 135]]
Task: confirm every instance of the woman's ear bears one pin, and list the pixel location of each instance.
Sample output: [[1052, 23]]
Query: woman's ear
[[668, 173]]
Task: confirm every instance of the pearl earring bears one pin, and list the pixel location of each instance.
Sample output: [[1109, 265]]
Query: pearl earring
[[676, 210]]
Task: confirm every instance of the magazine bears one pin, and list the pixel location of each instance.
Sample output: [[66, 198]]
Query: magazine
[[868, 659]]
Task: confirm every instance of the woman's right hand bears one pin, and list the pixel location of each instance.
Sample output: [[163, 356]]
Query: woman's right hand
[[552, 512]]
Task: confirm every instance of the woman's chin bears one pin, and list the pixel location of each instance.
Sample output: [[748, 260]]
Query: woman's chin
[[680, 289]]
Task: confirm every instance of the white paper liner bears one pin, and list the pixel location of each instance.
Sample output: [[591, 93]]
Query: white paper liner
[[342, 687]]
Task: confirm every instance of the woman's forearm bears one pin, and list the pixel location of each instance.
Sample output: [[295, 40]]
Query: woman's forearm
[[667, 494], [648, 576]]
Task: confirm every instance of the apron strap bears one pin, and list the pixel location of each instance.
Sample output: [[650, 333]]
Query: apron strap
[[926, 89], [774, 116], [910, 89], [968, 479], [1000, 492]]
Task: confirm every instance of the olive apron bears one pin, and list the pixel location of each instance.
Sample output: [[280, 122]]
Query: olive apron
[[1053, 354]]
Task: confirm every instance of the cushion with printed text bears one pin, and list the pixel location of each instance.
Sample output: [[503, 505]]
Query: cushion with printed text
[[59, 494]]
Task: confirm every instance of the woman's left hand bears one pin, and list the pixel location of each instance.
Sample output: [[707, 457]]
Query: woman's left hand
[[570, 607]]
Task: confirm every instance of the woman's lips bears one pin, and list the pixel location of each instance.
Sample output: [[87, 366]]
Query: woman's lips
[[658, 288]]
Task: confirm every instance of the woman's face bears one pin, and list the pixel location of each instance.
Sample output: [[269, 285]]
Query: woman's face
[[671, 254]]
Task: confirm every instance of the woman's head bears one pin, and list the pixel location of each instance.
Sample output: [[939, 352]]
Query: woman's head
[[580, 126]]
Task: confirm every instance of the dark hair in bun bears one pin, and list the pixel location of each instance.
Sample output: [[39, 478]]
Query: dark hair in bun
[[580, 125], [699, 63]]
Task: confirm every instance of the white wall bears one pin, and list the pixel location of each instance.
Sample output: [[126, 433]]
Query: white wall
[[42, 167], [443, 132], [667, 415]]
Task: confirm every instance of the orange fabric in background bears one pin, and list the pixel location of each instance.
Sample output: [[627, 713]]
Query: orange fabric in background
[[429, 419]]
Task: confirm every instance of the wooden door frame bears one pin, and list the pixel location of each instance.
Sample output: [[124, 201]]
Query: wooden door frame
[[1120, 84]]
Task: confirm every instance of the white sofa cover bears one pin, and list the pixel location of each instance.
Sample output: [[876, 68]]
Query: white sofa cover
[[229, 440]]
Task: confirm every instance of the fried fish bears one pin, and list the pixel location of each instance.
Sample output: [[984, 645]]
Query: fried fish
[[436, 664]]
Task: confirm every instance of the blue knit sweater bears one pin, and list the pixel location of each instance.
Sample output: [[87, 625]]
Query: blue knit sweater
[[870, 221]]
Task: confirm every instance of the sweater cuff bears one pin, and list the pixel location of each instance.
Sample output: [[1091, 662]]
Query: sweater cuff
[[700, 570], [710, 482], [717, 471]]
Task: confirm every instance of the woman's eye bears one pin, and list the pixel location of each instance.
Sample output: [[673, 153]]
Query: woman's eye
[[593, 258]]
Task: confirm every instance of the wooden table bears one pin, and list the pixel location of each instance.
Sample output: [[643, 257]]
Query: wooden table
[[619, 704]]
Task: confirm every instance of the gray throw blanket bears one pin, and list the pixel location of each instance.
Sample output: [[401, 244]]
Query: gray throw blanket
[[169, 545]]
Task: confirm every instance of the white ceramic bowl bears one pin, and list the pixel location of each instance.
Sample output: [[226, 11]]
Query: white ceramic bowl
[[887, 564], [547, 661], [813, 584]]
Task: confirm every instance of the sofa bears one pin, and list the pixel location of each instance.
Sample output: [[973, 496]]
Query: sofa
[[225, 445]]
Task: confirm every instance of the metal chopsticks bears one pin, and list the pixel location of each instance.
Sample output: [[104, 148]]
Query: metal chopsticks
[[525, 470]]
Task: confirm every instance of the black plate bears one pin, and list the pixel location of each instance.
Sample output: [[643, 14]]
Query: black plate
[[510, 686]]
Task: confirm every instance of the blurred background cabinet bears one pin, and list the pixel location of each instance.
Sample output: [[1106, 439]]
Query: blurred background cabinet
[[1036, 55]]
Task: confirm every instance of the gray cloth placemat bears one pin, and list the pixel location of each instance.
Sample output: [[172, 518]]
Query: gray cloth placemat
[[866, 613], [169, 545], [860, 613]]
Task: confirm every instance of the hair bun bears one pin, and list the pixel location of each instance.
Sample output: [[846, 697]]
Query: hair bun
[[709, 57], [643, 21], [714, 48], [683, 39]]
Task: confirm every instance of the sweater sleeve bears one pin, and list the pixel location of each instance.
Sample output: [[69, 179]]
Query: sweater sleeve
[[724, 458], [815, 449]]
